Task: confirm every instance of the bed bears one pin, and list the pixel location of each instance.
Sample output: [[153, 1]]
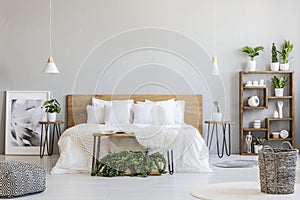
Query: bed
[[76, 143]]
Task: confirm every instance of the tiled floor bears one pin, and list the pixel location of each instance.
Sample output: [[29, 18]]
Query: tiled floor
[[166, 187]]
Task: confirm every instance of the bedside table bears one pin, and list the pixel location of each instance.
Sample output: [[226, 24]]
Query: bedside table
[[50, 129], [210, 134]]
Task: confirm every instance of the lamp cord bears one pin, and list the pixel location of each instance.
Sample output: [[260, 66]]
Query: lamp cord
[[215, 27], [50, 28]]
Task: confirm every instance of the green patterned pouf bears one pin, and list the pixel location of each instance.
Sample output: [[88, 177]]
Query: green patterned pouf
[[21, 178]]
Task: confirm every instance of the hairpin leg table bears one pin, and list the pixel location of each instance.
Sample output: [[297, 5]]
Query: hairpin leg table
[[50, 129], [226, 130]]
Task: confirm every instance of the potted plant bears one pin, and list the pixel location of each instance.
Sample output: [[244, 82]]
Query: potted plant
[[279, 84], [52, 107], [286, 49], [252, 53], [275, 64], [217, 116], [258, 143]]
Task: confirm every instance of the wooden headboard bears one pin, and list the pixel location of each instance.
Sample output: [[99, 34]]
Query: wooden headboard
[[77, 106]]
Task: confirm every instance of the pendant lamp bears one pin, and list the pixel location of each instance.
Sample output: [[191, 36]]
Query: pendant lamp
[[214, 68], [50, 66]]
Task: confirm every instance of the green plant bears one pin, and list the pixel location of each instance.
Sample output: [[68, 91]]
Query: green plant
[[274, 53], [252, 52], [52, 106], [138, 163], [278, 82], [286, 49], [258, 141]]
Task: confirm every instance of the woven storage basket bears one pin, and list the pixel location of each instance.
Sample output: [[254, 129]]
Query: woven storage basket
[[277, 169]]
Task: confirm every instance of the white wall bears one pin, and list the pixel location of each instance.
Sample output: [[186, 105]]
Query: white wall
[[181, 34]]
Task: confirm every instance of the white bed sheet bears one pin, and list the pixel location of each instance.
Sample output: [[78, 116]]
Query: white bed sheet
[[76, 145]]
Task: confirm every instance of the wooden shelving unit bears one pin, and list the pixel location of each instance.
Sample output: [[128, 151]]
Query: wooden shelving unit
[[261, 110]]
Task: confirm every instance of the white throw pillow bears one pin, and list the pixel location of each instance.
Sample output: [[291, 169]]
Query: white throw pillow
[[100, 102], [95, 114], [117, 112], [179, 111], [141, 113], [162, 112]]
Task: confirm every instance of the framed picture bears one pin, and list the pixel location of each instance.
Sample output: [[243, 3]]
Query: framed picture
[[23, 113]]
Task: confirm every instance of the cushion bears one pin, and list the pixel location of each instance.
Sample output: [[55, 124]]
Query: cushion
[[21, 178], [162, 112], [108, 119], [117, 112], [142, 113], [179, 109], [95, 114]]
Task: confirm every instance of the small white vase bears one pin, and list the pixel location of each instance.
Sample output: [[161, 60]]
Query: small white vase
[[274, 66], [253, 101], [51, 117], [251, 65], [217, 117], [284, 67], [257, 148], [278, 92]]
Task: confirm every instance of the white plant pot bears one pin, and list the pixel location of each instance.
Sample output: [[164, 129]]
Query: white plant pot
[[251, 65], [51, 117], [278, 92], [274, 66], [284, 67], [257, 148], [217, 117]]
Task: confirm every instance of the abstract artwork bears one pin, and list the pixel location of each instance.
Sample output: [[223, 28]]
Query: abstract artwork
[[23, 114]]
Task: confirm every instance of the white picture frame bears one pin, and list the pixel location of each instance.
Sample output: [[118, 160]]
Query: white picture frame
[[23, 113]]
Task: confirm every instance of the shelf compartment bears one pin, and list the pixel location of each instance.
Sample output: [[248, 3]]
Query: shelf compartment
[[283, 97]]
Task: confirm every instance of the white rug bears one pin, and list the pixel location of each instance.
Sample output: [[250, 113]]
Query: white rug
[[237, 163], [239, 191]]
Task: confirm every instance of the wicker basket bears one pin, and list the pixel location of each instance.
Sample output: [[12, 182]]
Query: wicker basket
[[277, 169]]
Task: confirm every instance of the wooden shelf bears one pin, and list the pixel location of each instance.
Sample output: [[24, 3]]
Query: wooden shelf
[[251, 107], [255, 87], [255, 129], [280, 139], [262, 91], [249, 154], [280, 119], [267, 72], [283, 97]]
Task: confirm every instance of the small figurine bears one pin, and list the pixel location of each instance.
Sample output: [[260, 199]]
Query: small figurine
[[249, 141]]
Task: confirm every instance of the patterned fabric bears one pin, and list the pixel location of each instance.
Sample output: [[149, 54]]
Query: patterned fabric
[[20, 178]]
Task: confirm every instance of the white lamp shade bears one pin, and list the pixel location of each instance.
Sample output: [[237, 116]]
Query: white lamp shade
[[215, 69], [51, 67]]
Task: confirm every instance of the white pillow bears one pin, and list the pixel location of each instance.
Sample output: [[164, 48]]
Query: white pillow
[[100, 102], [95, 114], [162, 112], [142, 113], [179, 111], [117, 112]]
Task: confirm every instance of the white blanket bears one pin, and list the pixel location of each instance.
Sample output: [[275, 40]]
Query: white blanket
[[76, 146]]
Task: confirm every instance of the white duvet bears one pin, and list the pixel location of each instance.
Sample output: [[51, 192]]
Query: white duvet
[[76, 146]]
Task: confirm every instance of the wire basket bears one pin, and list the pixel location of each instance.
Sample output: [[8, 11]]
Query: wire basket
[[277, 169]]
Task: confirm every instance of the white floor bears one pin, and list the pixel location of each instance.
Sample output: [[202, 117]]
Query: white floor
[[166, 187]]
